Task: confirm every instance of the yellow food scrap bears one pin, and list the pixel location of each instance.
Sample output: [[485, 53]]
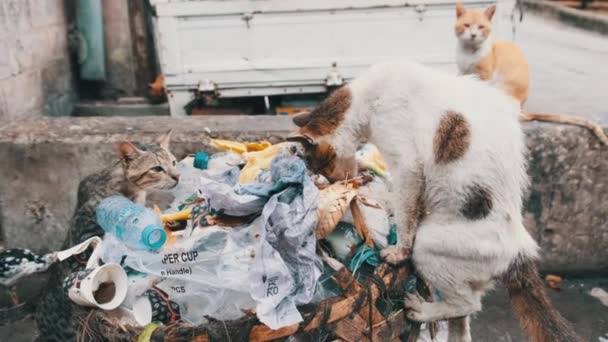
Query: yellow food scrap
[[257, 146], [239, 147], [179, 216], [258, 161], [228, 145]]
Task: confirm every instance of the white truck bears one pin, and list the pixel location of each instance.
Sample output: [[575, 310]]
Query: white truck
[[271, 51]]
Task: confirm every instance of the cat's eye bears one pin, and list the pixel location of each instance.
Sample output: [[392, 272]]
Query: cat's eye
[[466, 25], [157, 169], [481, 27], [174, 163]]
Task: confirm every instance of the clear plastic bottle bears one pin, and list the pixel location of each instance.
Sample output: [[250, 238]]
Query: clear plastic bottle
[[135, 225]]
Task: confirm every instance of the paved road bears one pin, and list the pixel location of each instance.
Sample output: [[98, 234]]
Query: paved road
[[590, 318], [568, 68]]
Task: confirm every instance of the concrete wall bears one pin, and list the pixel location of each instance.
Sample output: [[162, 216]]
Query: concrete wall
[[44, 159], [35, 72]]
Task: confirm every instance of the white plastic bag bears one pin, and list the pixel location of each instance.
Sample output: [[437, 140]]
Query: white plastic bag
[[207, 272]]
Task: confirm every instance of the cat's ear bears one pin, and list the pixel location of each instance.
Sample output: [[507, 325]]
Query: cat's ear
[[163, 140], [489, 12], [303, 139], [302, 119], [127, 151], [459, 9]]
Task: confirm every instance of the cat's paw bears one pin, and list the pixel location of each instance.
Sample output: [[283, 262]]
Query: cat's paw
[[414, 304], [395, 255]]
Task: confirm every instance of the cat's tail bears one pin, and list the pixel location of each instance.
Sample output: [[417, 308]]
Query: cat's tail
[[537, 316], [569, 120]]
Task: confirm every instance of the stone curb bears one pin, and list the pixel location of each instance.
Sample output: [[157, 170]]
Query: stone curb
[[570, 16], [43, 160]]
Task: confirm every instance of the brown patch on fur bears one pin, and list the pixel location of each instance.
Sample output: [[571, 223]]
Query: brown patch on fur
[[326, 118], [417, 205], [322, 158], [537, 316], [301, 119], [477, 285], [452, 138]]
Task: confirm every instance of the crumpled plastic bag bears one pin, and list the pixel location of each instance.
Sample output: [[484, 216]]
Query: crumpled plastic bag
[[203, 273], [216, 257], [222, 198], [289, 222], [285, 170], [271, 261]]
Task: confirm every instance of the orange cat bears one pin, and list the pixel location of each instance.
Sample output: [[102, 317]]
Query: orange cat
[[501, 63]]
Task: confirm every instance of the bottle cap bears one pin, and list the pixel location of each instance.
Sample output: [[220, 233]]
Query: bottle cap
[[153, 237], [201, 160]]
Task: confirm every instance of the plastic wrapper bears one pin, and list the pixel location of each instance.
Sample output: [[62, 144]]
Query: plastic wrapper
[[269, 264], [369, 157], [343, 241], [223, 198], [289, 219]]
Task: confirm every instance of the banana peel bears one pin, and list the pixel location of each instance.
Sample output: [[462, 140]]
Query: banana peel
[[257, 146], [228, 145], [239, 147], [179, 216], [258, 161], [183, 215]]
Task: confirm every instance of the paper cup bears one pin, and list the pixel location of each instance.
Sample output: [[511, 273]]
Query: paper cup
[[104, 287], [155, 306]]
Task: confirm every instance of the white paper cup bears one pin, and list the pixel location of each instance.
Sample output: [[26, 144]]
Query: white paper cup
[[104, 287]]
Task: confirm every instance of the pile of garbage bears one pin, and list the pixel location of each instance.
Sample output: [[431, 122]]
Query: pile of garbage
[[250, 230]]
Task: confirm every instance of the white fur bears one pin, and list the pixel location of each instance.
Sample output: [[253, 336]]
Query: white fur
[[398, 108], [467, 55]]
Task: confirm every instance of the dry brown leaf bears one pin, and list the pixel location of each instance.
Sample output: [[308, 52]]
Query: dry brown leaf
[[360, 224], [333, 203]]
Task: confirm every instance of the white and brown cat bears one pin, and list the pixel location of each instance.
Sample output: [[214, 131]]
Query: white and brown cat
[[458, 180], [502, 63]]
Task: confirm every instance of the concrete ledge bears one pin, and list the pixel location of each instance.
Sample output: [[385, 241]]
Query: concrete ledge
[[585, 20], [120, 109], [44, 159]]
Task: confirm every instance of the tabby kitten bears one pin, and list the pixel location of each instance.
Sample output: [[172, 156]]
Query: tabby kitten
[[141, 168]]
